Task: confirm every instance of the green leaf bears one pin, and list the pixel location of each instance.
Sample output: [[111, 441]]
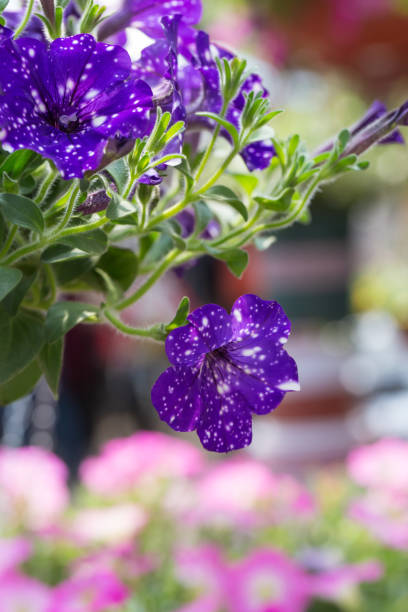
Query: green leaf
[[248, 182], [9, 279], [203, 215], [342, 140], [50, 360], [262, 133], [181, 315], [119, 207], [184, 168], [19, 161], [121, 265], [230, 127], [119, 172], [14, 298], [280, 203], [67, 271], [224, 195], [236, 259], [63, 316], [172, 229], [293, 144], [21, 384], [21, 211], [94, 242], [262, 243], [160, 247], [22, 337], [3, 4], [280, 152], [60, 253], [4, 230]]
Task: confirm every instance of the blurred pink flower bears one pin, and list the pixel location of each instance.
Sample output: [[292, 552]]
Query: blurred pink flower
[[267, 581], [93, 592], [33, 489], [240, 28], [338, 583], [385, 515], [381, 465], [126, 463], [124, 560], [19, 593], [245, 491], [201, 568], [13, 551], [111, 524]]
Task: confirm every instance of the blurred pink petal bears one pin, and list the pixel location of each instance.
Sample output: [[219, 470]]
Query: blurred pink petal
[[111, 524], [13, 551], [245, 492], [267, 581], [18, 593], [385, 515], [95, 592], [124, 560], [338, 583], [126, 463], [207, 603], [202, 568], [381, 465], [33, 489]]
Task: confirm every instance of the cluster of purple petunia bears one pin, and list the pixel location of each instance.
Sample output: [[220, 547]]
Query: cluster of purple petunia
[[73, 98]]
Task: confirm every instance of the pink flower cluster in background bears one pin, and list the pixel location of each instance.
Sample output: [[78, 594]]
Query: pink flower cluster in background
[[382, 468], [153, 512]]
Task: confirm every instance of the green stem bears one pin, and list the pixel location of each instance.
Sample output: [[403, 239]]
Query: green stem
[[238, 231], [35, 246], [286, 221], [25, 250], [9, 241], [26, 19], [211, 145], [217, 175], [69, 210], [170, 212], [46, 185], [79, 229], [53, 285], [126, 329], [163, 267]]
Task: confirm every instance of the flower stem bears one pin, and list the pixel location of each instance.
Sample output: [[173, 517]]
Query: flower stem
[[26, 18], [9, 241], [162, 268], [217, 175], [127, 329], [46, 185], [69, 210]]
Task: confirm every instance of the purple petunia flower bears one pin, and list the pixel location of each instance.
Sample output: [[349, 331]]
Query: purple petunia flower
[[70, 100], [373, 128], [5, 34], [257, 155], [226, 367], [146, 15], [196, 83]]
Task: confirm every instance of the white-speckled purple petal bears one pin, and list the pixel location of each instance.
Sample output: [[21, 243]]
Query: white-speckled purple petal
[[185, 346], [176, 397], [68, 100], [213, 324], [226, 421], [146, 14], [257, 318]]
